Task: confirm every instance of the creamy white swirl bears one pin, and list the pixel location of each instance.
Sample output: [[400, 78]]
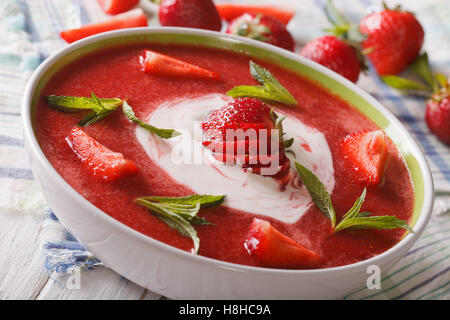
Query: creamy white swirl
[[189, 163]]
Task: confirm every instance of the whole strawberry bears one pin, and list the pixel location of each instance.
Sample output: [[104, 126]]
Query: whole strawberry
[[334, 54], [264, 28], [245, 149], [394, 39], [200, 14], [438, 117]]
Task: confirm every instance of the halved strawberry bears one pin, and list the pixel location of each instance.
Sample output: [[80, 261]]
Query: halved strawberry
[[102, 162], [367, 153], [130, 19], [273, 249], [117, 6], [228, 11], [162, 65]]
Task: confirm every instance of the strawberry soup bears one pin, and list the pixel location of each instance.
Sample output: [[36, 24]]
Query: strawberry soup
[[269, 220]]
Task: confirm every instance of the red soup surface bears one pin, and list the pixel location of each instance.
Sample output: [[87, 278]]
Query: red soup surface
[[116, 72]]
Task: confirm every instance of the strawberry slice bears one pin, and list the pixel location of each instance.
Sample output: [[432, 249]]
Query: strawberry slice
[[162, 65], [366, 152], [230, 12], [102, 162], [117, 6], [273, 249], [130, 19]]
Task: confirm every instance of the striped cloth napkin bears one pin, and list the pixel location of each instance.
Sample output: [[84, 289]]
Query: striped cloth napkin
[[29, 33]]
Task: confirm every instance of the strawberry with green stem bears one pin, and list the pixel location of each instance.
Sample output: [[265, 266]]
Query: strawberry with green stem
[[339, 51], [436, 87], [394, 38]]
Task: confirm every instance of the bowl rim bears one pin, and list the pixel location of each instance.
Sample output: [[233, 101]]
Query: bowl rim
[[34, 147]]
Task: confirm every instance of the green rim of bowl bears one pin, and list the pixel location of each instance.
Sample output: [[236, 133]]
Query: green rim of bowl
[[337, 88]]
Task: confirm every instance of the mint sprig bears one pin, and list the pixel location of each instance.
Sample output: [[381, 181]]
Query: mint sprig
[[318, 192], [270, 90], [163, 133], [353, 219], [180, 213], [100, 107]]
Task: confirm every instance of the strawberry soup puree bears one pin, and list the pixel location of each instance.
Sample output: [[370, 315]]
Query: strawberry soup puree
[[319, 125]]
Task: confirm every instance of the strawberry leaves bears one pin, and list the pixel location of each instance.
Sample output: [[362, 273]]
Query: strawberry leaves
[[270, 90], [431, 83], [402, 83], [180, 213], [353, 219]]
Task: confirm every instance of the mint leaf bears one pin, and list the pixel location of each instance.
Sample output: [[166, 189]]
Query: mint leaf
[[181, 212], [318, 192], [402, 83], [373, 222], [173, 220], [204, 200], [100, 107], [270, 89], [163, 133], [77, 104], [354, 211], [92, 117], [266, 79], [353, 219], [252, 92]]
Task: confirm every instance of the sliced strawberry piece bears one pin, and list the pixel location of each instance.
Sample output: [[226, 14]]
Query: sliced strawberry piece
[[103, 163], [117, 6], [273, 249], [130, 19], [366, 152], [162, 65], [229, 12]]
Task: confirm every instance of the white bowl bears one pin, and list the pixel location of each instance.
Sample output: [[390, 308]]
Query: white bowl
[[178, 274]]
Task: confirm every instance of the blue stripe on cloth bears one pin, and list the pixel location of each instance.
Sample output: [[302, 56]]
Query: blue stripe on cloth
[[423, 283], [66, 253], [67, 245], [10, 113], [10, 141], [84, 17], [16, 173], [54, 13], [30, 28], [56, 26], [425, 246]]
